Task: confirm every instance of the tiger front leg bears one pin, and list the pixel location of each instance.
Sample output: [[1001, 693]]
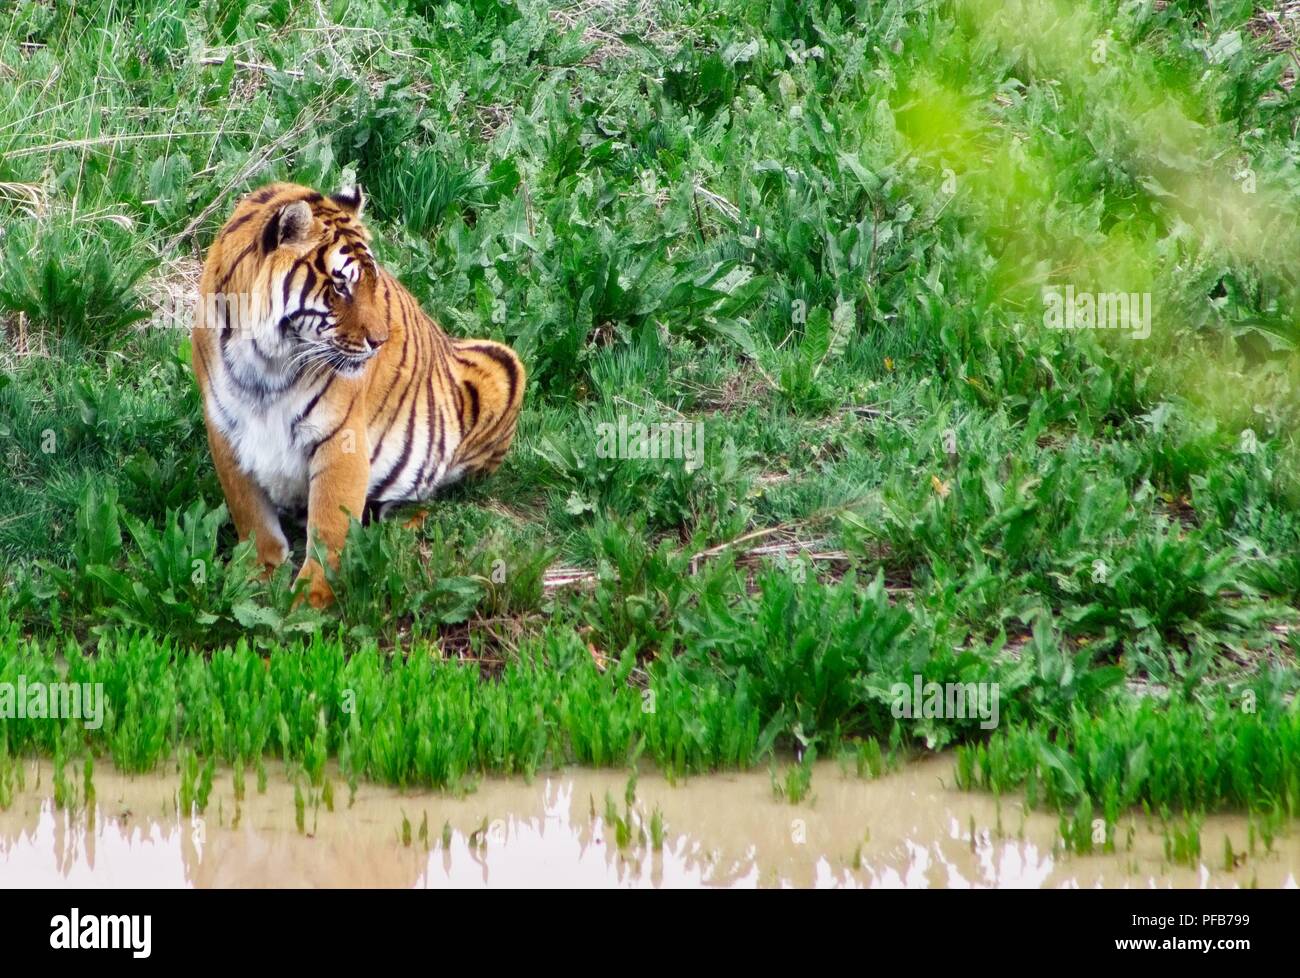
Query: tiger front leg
[[340, 475]]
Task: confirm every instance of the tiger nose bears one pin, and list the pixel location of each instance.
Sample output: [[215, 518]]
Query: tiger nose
[[374, 344]]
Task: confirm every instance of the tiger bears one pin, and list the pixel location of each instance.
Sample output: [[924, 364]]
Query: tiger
[[325, 385]]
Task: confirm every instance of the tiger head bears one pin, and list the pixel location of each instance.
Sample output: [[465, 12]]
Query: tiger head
[[305, 259]]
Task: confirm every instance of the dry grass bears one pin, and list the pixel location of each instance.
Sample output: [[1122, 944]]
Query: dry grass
[[492, 119], [747, 385], [31, 199], [604, 24], [489, 642], [781, 543], [1280, 27], [17, 340], [172, 290]]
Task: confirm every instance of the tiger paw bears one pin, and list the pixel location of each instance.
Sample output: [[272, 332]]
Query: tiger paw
[[417, 520], [315, 590], [271, 553]]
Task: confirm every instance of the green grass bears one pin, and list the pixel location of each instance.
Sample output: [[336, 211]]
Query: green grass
[[1237, 751], [822, 231], [415, 720]]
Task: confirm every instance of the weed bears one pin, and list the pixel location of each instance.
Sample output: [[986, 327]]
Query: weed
[[794, 785]]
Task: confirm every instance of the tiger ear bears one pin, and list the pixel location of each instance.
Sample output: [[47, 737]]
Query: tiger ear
[[289, 225], [351, 199]]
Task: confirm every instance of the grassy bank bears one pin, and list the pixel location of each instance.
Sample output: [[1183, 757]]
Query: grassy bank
[[825, 232]]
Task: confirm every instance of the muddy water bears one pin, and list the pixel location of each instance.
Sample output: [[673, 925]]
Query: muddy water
[[904, 830]]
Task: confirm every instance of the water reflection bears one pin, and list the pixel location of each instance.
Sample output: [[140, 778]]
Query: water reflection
[[905, 830]]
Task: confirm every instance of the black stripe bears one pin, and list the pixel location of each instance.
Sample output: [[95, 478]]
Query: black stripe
[[288, 280], [438, 416], [312, 403], [505, 361], [231, 270], [400, 465], [396, 376], [442, 436], [308, 283], [222, 307], [404, 307], [473, 402], [271, 234], [458, 392], [231, 422], [401, 462], [224, 337], [312, 449], [257, 348], [415, 371], [259, 389], [212, 398], [421, 472], [238, 221]]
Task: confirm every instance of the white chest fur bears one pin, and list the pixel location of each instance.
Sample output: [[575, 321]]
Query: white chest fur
[[268, 451], [261, 431]]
